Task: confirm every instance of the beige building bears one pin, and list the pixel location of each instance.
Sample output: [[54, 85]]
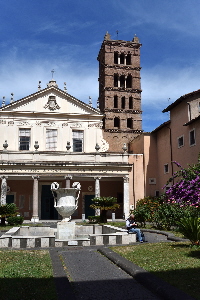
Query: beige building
[[175, 140]]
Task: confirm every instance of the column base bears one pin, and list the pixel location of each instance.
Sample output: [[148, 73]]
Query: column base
[[35, 219]]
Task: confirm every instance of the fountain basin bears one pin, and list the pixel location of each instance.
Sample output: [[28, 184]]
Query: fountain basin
[[85, 235]]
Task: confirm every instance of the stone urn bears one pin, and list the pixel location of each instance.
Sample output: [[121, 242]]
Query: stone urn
[[66, 202], [66, 199]]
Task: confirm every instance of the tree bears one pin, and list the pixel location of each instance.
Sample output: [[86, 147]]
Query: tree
[[7, 210], [104, 204]]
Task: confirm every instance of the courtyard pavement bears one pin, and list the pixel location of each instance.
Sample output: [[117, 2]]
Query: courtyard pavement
[[98, 273]]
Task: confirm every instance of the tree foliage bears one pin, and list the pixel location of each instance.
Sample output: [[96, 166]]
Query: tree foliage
[[104, 204]]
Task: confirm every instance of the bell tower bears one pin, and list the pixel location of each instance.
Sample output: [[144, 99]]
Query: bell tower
[[120, 91]]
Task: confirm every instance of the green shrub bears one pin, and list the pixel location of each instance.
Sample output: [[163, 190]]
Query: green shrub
[[15, 220], [94, 219], [167, 215], [144, 210], [190, 228], [104, 204], [8, 210]]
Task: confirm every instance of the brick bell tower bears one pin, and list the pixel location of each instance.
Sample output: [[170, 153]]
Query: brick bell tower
[[120, 91]]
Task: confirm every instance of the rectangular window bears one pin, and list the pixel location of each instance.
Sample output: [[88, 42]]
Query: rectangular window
[[166, 168], [51, 139], [192, 138], [24, 139], [77, 140], [180, 141]]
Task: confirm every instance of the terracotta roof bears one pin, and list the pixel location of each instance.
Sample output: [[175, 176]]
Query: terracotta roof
[[161, 126], [191, 121], [179, 100]]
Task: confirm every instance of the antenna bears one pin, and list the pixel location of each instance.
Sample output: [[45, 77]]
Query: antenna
[[65, 87]]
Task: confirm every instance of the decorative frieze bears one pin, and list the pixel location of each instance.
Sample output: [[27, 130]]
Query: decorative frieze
[[97, 125], [25, 123], [64, 124], [76, 125]]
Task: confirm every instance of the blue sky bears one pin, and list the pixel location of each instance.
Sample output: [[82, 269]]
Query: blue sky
[[66, 35]]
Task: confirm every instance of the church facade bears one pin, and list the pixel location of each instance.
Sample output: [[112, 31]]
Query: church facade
[[50, 136]]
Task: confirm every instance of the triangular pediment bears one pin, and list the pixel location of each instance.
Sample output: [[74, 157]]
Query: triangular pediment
[[50, 100]]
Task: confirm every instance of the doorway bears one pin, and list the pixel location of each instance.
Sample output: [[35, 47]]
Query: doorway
[[9, 199], [88, 210], [48, 211]]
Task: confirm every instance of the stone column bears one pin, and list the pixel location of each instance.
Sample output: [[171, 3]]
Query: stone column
[[68, 178], [3, 189], [35, 216], [97, 193], [126, 209]]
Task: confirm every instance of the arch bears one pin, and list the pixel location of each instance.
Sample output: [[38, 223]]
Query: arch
[[115, 101], [129, 81], [129, 123], [128, 59], [115, 80], [117, 122], [123, 102], [122, 59], [122, 81], [115, 57], [130, 102]]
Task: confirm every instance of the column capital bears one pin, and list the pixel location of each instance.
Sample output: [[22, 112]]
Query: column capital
[[97, 177], [126, 179], [68, 177], [4, 177], [35, 177]]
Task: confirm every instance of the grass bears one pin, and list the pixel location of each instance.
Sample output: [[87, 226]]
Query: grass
[[27, 275], [175, 263]]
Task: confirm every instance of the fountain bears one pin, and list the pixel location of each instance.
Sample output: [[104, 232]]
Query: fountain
[[67, 232], [65, 202]]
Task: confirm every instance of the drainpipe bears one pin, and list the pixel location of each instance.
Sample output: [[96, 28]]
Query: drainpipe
[[171, 152], [189, 111]]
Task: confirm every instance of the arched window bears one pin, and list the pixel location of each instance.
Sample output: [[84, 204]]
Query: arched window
[[122, 81], [122, 58], [103, 123], [128, 59], [131, 102], [116, 122], [115, 80], [129, 123], [115, 57], [129, 81], [115, 101], [123, 102]]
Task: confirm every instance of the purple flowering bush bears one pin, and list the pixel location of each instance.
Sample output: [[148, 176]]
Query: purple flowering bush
[[186, 190]]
